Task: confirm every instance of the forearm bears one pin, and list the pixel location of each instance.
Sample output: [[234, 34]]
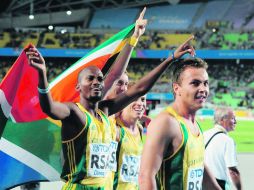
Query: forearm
[[147, 82], [46, 101], [209, 181], [236, 178], [139, 89], [53, 109], [118, 67], [147, 182]]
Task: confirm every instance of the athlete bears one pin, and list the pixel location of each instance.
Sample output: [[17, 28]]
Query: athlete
[[173, 155]]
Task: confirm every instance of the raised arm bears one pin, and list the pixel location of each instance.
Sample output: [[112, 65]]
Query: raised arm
[[56, 110], [122, 60], [146, 83]]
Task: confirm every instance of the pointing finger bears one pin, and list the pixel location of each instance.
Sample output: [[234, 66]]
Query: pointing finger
[[142, 14], [189, 39]]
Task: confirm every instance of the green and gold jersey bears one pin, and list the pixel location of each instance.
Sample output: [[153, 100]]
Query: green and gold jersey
[[184, 169], [128, 158], [112, 162], [86, 155]]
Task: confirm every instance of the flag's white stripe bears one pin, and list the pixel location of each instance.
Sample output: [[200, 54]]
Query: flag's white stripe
[[109, 49], [29, 159], [6, 107]]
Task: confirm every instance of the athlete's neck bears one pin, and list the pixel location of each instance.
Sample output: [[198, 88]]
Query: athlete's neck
[[89, 106], [184, 112], [128, 121]]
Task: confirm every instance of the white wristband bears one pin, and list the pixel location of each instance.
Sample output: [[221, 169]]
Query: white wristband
[[43, 91]]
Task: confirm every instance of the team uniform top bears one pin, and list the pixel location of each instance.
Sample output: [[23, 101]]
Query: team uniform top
[[86, 155], [128, 158], [183, 170]]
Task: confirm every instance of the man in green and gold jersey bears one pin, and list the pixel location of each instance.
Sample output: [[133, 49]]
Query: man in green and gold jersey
[[173, 155]]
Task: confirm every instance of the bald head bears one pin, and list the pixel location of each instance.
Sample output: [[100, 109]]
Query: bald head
[[87, 70]]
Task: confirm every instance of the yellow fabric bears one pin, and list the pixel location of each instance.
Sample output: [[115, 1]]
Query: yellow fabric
[[131, 147], [111, 174], [193, 157], [99, 132]]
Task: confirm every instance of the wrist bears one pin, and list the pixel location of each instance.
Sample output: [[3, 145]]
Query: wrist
[[173, 58], [43, 90], [173, 55], [133, 41]]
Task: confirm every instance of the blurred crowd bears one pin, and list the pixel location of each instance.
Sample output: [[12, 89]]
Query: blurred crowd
[[231, 81], [207, 39]]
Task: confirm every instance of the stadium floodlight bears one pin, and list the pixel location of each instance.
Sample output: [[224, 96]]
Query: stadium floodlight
[[68, 12], [50, 27], [31, 17], [63, 31]]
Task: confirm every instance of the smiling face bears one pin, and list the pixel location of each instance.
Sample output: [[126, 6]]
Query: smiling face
[[192, 88], [136, 109], [90, 84]]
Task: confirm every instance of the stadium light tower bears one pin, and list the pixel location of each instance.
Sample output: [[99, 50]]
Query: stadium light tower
[[31, 15]]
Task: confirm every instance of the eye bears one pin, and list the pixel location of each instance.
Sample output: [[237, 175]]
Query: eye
[[195, 83], [206, 83], [90, 78], [119, 83], [100, 78]]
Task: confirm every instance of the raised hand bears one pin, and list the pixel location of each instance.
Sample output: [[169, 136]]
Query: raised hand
[[184, 48], [35, 59], [140, 24]]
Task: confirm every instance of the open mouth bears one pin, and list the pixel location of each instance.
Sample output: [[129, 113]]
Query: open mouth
[[138, 110], [201, 98]]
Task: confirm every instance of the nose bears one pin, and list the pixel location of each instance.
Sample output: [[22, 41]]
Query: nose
[[204, 88], [96, 81], [123, 87], [235, 121]]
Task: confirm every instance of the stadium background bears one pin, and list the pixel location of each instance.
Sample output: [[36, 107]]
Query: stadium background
[[224, 29]]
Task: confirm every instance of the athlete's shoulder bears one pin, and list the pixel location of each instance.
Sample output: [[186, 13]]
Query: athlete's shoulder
[[165, 123]]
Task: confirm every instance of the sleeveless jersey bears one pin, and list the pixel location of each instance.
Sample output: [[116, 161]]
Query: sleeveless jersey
[[184, 169], [112, 162], [128, 159], [86, 155]]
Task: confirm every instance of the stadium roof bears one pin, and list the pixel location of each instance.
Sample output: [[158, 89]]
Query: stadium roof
[[25, 7]]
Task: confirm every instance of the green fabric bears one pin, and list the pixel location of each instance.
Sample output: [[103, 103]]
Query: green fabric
[[173, 168]]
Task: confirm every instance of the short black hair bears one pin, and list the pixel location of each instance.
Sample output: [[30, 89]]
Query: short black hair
[[179, 67]]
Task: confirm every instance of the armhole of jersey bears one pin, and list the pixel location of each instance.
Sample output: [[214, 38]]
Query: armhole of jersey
[[200, 129], [86, 125], [119, 124], [103, 117], [170, 111], [140, 129]]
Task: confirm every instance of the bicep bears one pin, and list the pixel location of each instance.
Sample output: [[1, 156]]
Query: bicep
[[155, 146]]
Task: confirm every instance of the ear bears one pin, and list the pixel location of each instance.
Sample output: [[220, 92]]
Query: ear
[[176, 88], [77, 88]]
